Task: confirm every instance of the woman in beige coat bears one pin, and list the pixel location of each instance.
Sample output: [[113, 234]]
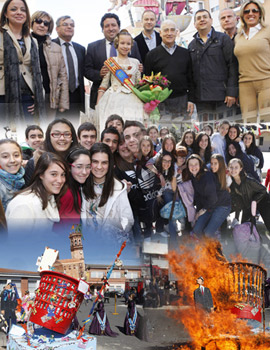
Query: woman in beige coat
[[53, 69], [21, 92]]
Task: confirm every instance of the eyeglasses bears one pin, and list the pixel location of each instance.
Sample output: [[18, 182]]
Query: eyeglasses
[[40, 21], [81, 167], [246, 12], [57, 135], [166, 161], [67, 25]]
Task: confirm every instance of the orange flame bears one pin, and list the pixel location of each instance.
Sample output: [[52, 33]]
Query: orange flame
[[219, 329]]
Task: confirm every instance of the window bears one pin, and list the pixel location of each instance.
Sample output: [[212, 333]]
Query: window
[[261, 141], [132, 275], [116, 274], [96, 274]]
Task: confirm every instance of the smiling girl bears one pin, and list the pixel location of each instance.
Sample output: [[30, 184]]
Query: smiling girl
[[210, 196], [115, 98], [244, 190], [11, 170], [203, 147], [70, 203], [36, 206], [60, 138], [106, 205]]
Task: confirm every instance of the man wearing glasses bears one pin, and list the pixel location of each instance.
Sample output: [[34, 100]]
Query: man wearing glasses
[[74, 56]]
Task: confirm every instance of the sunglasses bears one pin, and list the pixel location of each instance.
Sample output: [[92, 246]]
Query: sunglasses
[[40, 21], [246, 12]]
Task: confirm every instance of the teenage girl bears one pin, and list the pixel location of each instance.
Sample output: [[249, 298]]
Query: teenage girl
[[11, 170]]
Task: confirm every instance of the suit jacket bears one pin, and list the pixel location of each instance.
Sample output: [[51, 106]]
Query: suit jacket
[[204, 300], [94, 61], [80, 52], [143, 48]]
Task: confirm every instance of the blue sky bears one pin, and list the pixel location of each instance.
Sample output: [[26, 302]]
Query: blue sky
[[21, 249]]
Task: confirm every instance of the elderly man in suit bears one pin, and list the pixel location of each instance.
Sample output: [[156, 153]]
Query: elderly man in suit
[[99, 51], [148, 39], [202, 296], [74, 56]]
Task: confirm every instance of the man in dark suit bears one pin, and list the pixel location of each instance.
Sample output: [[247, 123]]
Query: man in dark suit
[[203, 297], [149, 38], [99, 51], [74, 56]]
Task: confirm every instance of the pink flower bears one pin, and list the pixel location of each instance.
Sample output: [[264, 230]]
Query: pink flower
[[150, 106]]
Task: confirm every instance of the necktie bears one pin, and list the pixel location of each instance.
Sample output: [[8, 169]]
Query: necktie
[[113, 52], [202, 290], [71, 69]]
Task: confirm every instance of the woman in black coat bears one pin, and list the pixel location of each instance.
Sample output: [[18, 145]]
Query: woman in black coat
[[234, 151], [245, 190]]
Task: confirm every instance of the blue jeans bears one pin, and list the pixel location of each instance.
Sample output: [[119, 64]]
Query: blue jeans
[[210, 221], [167, 196]]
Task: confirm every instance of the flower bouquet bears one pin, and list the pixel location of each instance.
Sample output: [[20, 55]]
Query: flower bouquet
[[152, 90]]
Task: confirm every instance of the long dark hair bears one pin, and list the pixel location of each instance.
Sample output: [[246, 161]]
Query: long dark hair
[[183, 142], [169, 137], [73, 155], [253, 146], [108, 186], [4, 20], [36, 186], [143, 159], [158, 164], [208, 150], [48, 147], [221, 173], [238, 132]]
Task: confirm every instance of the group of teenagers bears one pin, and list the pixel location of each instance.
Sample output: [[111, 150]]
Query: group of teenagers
[[120, 185]]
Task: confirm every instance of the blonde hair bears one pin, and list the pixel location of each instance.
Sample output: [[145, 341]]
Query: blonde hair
[[41, 14], [243, 25]]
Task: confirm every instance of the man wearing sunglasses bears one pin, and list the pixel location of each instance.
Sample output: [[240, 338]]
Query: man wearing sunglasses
[[215, 69], [74, 56]]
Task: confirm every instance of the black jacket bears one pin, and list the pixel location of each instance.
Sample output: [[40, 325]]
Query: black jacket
[[143, 48], [94, 61], [249, 190], [204, 300], [205, 194], [215, 69]]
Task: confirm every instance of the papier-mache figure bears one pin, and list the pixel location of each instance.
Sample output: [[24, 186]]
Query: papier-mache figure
[[203, 297]]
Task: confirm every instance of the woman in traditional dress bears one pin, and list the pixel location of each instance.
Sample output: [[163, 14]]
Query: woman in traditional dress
[[115, 98]]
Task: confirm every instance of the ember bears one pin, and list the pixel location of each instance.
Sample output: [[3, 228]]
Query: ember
[[234, 287]]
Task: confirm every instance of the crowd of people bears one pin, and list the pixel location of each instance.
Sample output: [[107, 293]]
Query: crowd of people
[[130, 181], [133, 182], [43, 78]]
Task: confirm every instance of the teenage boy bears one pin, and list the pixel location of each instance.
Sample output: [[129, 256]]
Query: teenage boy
[[87, 135]]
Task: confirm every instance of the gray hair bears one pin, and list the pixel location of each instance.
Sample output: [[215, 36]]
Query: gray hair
[[62, 18]]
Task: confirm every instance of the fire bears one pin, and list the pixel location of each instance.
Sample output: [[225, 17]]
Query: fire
[[230, 285]]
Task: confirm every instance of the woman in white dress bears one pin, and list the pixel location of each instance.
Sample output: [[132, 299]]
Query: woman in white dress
[[115, 98], [35, 208]]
